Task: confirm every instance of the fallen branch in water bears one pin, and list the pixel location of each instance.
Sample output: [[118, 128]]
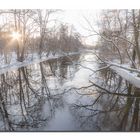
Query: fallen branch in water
[[104, 91]]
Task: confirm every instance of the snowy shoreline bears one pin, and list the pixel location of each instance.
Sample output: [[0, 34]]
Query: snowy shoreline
[[16, 65]]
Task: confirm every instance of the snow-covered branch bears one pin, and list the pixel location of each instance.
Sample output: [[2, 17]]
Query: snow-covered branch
[[129, 74]]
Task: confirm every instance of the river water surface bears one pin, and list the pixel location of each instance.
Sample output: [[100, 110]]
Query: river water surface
[[58, 95]]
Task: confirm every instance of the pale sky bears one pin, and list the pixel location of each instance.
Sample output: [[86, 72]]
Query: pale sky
[[76, 18]]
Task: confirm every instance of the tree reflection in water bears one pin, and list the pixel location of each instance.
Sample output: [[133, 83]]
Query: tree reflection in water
[[115, 106], [31, 96], [25, 91]]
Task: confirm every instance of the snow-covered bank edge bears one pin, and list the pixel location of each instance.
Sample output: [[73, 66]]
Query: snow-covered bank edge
[[127, 75], [17, 65], [124, 70]]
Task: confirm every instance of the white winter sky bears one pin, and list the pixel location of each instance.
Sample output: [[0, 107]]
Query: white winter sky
[[74, 15], [76, 18]]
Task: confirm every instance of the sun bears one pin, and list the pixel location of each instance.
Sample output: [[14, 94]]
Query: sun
[[15, 35]]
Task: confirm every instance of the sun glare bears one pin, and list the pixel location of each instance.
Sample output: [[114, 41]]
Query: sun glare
[[15, 35]]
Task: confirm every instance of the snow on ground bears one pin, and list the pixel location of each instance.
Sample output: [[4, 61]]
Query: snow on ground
[[30, 60]]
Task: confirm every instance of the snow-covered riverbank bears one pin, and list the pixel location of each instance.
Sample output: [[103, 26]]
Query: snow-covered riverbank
[[36, 59]]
